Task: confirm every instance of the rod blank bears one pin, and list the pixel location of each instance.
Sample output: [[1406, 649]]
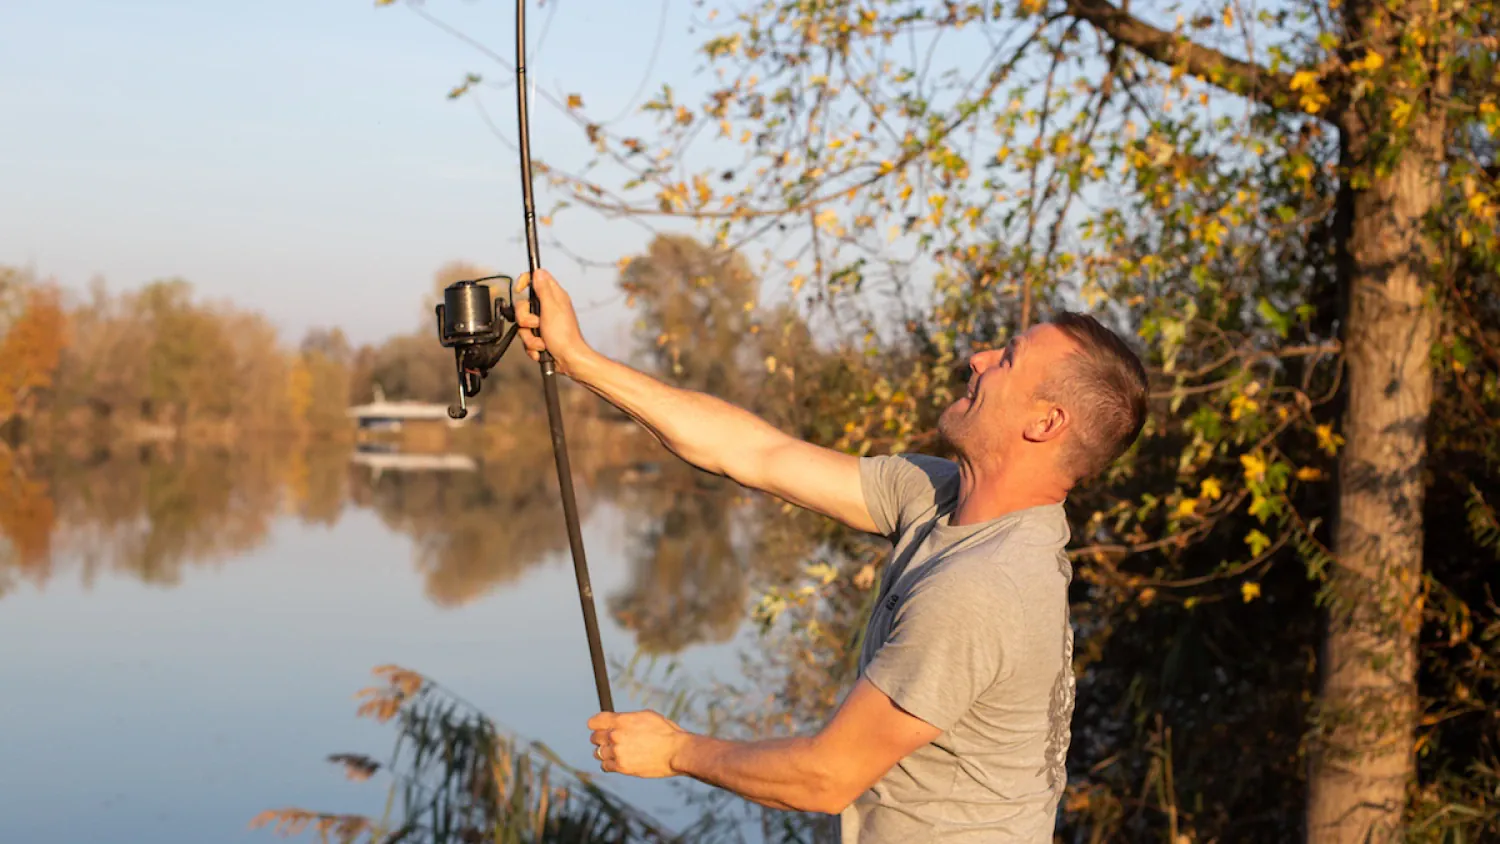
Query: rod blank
[[549, 386]]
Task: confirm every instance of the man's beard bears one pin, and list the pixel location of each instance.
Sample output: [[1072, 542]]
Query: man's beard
[[953, 427]]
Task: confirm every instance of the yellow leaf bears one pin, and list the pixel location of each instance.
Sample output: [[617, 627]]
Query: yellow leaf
[[1211, 489], [770, 363], [1186, 507], [1327, 439], [1249, 591], [575, 101], [1371, 61], [1304, 79], [823, 572], [1255, 466], [1257, 541], [1309, 473], [1240, 405], [1401, 112]]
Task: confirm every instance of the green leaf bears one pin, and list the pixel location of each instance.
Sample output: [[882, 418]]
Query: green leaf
[[1257, 541], [1276, 318]]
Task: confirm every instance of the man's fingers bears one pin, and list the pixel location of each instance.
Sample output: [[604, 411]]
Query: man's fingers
[[599, 737], [602, 721], [548, 285], [521, 301]]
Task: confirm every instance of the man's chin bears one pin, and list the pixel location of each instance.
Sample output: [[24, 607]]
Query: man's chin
[[950, 429]]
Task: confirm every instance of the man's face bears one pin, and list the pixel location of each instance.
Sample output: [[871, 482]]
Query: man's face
[[1001, 401]]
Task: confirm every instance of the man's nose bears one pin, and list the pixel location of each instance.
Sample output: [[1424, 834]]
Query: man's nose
[[982, 361]]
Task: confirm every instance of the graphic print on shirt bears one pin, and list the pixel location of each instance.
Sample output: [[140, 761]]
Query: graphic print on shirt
[[1060, 710]]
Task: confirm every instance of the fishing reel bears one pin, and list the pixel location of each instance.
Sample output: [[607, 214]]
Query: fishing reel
[[473, 325]]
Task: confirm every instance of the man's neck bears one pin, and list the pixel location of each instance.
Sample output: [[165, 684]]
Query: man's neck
[[990, 491]]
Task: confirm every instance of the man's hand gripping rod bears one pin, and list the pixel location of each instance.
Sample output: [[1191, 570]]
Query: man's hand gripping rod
[[467, 323]]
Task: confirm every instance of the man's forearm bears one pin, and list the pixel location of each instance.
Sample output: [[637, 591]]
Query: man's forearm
[[780, 773], [705, 431]]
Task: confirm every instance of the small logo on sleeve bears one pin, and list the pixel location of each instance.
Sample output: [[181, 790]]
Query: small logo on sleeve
[[892, 601]]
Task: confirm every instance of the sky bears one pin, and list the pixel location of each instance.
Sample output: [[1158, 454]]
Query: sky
[[301, 158]]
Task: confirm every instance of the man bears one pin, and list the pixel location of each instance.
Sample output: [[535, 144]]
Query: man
[[958, 727]]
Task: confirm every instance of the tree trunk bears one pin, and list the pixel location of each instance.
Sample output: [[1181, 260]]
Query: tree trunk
[[1361, 753]]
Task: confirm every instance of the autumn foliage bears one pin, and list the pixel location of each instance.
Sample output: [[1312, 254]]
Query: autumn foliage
[[30, 348]]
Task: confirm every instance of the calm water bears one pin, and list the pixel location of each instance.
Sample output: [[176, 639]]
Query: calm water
[[184, 652]]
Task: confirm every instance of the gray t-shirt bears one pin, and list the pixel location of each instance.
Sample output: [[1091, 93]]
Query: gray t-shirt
[[971, 634]]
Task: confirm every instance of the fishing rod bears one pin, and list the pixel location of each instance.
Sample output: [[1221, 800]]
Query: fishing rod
[[472, 324]]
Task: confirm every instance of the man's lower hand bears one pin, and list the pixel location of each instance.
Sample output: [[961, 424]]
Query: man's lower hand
[[641, 744]]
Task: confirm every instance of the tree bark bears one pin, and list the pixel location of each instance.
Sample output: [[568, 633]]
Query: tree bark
[[1361, 753]]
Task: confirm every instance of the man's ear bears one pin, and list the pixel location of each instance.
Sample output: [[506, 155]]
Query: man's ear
[[1048, 425]]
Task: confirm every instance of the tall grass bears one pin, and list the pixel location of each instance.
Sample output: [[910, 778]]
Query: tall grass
[[456, 777]]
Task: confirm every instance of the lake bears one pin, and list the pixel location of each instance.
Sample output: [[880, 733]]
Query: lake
[[182, 635]]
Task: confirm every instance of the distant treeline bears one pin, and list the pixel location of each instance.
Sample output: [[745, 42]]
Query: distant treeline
[[159, 362]]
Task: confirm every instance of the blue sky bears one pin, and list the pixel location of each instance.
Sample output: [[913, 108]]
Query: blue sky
[[300, 158]]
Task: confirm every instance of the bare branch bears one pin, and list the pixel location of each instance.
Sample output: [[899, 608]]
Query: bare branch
[[1245, 78]]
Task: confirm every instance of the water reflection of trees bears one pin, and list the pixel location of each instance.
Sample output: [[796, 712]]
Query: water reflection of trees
[[148, 513], [687, 574], [474, 530], [152, 512]]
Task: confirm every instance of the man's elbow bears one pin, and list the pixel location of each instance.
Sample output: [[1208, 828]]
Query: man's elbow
[[829, 795], [831, 805]]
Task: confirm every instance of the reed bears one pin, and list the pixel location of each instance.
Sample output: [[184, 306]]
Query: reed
[[457, 777]]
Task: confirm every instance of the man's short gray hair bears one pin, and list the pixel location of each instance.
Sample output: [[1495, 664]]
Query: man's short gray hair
[[1104, 385]]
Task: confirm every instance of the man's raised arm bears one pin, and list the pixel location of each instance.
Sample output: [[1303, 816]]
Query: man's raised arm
[[705, 431]]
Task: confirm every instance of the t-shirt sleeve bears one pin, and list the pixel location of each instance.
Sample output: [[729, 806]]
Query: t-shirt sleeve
[[947, 646], [899, 488]]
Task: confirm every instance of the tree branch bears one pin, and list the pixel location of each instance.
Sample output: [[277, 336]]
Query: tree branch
[[1245, 78]]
